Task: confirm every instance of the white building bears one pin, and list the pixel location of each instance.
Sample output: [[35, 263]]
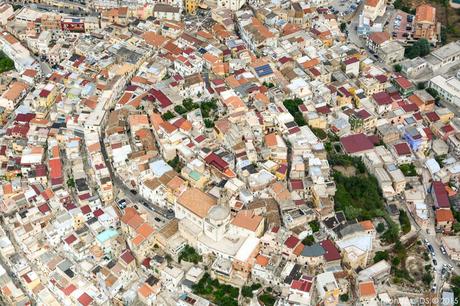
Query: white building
[[374, 9], [448, 89], [17, 52]]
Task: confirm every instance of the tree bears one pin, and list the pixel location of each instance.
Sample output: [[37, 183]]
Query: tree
[[427, 278], [380, 228], [6, 64], [456, 227], [397, 68], [381, 255], [180, 109], [408, 169], [419, 48], [404, 221], [292, 105], [189, 254], [391, 235], [168, 116], [246, 291], [344, 298], [268, 85], [267, 299], [320, 133], [421, 85], [309, 240], [343, 27], [455, 282], [314, 225], [189, 104], [208, 123], [70, 182]]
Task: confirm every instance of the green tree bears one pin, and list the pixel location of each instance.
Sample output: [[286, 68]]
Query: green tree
[[421, 85], [381, 255], [404, 221], [456, 227], [344, 298], [180, 109], [168, 116], [427, 278], [419, 48], [208, 123], [246, 291], [309, 240], [189, 104], [6, 64], [267, 299], [343, 27], [397, 68], [408, 169], [314, 225], [380, 228], [292, 105], [70, 182]]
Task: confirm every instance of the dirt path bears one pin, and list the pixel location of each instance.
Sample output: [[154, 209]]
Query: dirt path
[[347, 171]]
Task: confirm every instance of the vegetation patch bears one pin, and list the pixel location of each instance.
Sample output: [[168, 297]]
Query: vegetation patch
[[247, 291], [6, 63], [292, 105], [213, 290], [359, 196], [408, 169]]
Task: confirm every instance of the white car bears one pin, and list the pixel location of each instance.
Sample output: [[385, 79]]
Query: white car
[[443, 250]]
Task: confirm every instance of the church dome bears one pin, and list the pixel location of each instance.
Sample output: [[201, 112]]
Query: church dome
[[218, 213]]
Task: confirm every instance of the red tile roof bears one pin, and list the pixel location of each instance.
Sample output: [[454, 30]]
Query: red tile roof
[[403, 82], [85, 299], [444, 215], [69, 289], [382, 98], [402, 149], [432, 116], [70, 239], [301, 285], [85, 209], [332, 253], [356, 143], [127, 256], [442, 200], [291, 242]]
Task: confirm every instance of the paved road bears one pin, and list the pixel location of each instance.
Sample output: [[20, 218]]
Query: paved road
[[17, 282], [435, 241], [352, 34], [121, 186]]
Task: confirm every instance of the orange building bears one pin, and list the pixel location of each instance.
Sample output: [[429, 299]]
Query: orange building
[[425, 23]]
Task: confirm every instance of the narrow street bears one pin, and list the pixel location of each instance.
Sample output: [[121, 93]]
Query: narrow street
[[17, 282], [121, 186]]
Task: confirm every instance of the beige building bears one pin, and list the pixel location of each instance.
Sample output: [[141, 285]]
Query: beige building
[[374, 9]]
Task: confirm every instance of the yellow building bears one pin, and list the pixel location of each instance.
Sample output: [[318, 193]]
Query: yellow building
[[47, 96]]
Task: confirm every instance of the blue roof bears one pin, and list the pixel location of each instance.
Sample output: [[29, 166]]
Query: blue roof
[[263, 70], [106, 235], [159, 167]]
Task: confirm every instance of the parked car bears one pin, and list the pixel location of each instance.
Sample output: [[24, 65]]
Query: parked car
[[435, 262], [430, 248], [122, 204], [443, 250]]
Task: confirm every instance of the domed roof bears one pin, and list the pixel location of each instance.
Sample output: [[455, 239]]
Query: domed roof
[[218, 212]]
